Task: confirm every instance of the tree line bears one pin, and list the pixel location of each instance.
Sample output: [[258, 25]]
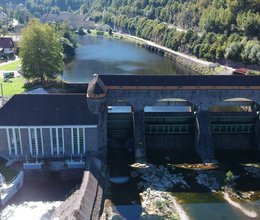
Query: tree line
[[212, 29], [209, 29]]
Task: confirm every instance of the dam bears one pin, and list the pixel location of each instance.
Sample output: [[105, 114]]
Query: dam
[[141, 117], [201, 114]]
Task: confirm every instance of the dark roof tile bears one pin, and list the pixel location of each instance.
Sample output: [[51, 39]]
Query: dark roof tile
[[47, 110], [6, 42]]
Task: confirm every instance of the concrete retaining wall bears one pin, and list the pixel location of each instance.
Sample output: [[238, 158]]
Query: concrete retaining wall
[[84, 203], [12, 188]]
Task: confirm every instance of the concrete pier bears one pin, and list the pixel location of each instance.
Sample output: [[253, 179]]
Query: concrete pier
[[139, 136], [204, 142]]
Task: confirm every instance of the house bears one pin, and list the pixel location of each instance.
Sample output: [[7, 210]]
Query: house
[[47, 126], [7, 46], [75, 20], [240, 71], [89, 25]]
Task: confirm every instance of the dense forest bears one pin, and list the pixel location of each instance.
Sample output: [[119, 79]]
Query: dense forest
[[210, 29]]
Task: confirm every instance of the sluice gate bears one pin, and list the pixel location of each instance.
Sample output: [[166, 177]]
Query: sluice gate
[[119, 122], [233, 123], [234, 131], [169, 130]]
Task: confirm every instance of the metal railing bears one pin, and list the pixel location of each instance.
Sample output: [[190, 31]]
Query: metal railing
[[74, 189]]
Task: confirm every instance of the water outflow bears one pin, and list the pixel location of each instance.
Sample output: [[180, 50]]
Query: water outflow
[[37, 200], [29, 210]]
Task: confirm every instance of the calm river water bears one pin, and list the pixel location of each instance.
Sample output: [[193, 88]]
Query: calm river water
[[110, 56]]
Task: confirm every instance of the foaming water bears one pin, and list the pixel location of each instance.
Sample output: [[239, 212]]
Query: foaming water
[[245, 211], [29, 210], [36, 200]]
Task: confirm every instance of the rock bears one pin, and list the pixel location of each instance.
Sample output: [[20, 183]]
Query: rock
[[158, 203], [139, 165], [208, 179], [254, 171]]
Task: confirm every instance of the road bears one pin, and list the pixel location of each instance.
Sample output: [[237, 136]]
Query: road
[[191, 58]]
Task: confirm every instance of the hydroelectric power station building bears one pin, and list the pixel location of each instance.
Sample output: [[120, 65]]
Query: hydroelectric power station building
[[176, 113]]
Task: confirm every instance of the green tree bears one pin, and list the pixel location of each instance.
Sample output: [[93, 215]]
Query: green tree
[[251, 54], [230, 180], [41, 52], [233, 51], [67, 37]]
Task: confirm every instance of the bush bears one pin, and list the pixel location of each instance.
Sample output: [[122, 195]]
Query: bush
[[230, 180]]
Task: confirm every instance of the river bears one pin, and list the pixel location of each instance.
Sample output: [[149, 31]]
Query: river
[[100, 55]]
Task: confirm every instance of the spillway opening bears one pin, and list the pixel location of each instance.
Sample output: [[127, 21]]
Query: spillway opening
[[235, 131], [170, 133]]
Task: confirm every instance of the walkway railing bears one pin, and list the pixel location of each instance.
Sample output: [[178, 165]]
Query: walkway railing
[[70, 193]]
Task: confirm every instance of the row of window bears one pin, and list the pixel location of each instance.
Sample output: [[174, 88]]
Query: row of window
[[36, 143]]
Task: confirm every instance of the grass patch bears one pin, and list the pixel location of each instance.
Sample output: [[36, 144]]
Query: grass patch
[[254, 72], [220, 70], [11, 66], [8, 173], [14, 87], [189, 197], [99, 33]]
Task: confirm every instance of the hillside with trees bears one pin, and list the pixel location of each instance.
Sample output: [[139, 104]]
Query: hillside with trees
[[209, 29]]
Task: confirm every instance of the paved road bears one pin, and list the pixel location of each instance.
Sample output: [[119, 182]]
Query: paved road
[[191, 58]]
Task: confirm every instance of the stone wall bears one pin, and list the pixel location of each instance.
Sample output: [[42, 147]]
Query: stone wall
[[91, 139], [203, 99]]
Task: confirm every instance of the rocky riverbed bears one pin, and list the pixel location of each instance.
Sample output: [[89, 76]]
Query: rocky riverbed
[[158, 187]]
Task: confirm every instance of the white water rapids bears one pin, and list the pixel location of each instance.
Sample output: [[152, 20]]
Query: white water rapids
[[29, 210]]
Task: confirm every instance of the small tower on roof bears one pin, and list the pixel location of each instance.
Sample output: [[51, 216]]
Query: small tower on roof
[[96, 88]]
